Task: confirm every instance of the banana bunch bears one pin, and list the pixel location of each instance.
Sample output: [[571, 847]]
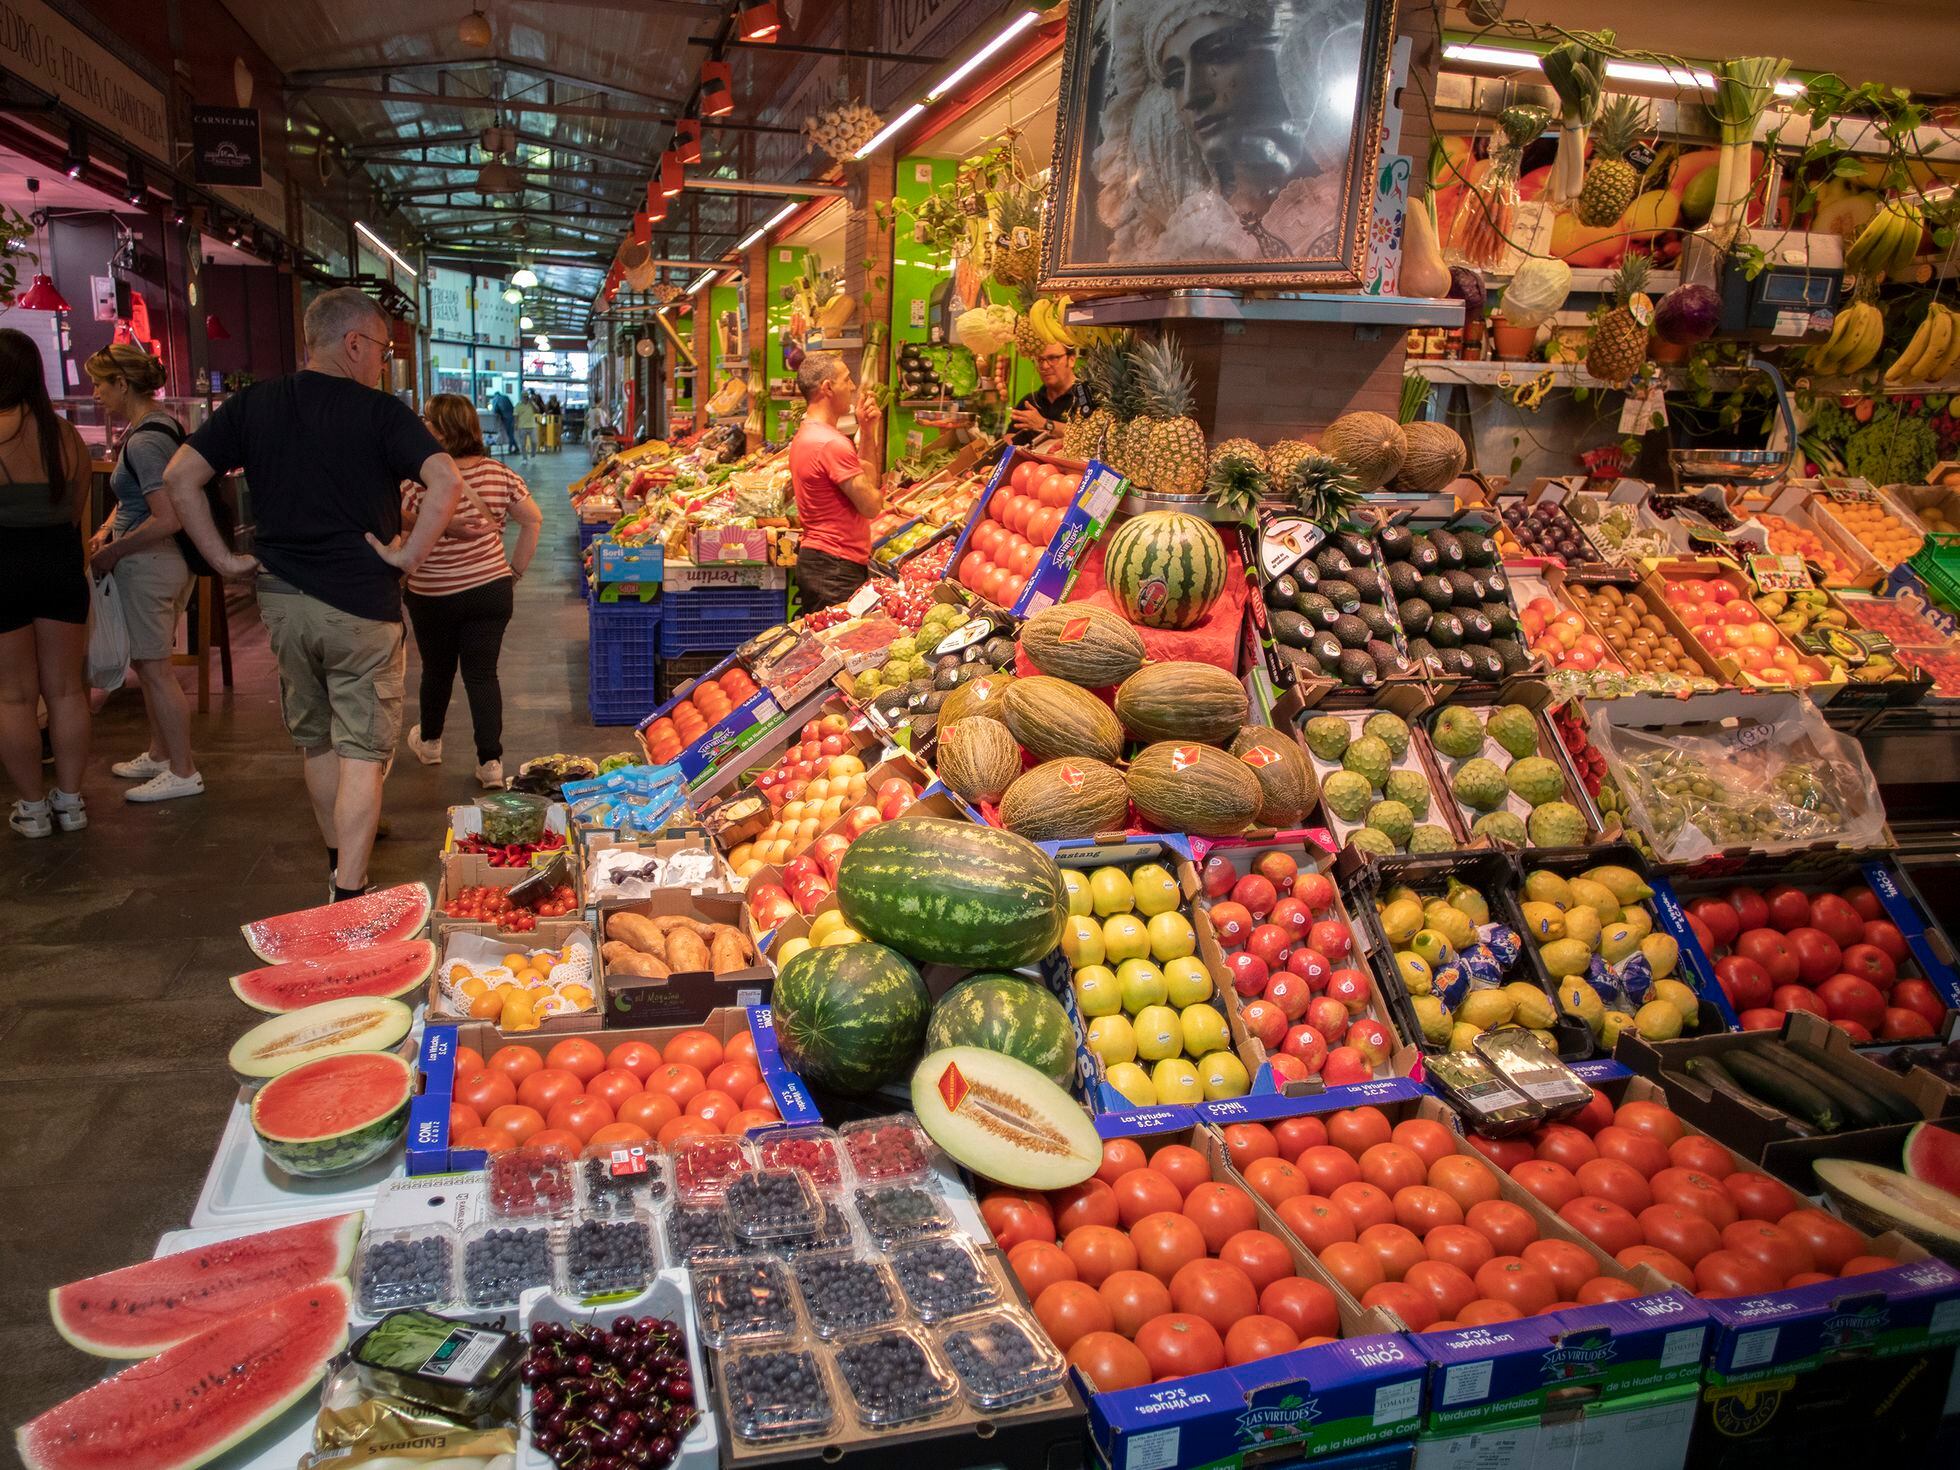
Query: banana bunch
[[1853, 343], [1049, 320], [1933, 350], [1888, 241]]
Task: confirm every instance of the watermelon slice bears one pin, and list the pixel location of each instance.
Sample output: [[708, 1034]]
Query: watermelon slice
[[1932, 1156], [334, 1114], [380, 917], [194, 1401], [142, 1309], [392, 970]]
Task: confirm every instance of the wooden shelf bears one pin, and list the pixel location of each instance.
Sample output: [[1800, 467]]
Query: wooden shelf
[[1231, 306]]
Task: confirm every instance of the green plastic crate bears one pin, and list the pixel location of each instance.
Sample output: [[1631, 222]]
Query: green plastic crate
[[1937, 564]]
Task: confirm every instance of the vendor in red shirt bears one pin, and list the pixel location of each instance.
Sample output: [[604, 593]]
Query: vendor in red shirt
[[836, 494]]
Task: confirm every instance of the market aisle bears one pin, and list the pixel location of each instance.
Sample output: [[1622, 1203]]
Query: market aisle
[[115, 1014]]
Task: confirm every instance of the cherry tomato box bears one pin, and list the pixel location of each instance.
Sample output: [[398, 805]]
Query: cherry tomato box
[[1003, 554], [470, 873]]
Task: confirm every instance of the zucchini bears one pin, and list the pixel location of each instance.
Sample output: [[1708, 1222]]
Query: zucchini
[[1711, 1073], [1901, 1110], [1860, 1111], [1762, 1079]]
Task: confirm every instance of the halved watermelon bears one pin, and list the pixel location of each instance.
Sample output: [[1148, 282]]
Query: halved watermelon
[[142, 1309], [281, 1043], [380, 917], [194, 1401], [1932, 1156], [391, 970], [334, 1114]]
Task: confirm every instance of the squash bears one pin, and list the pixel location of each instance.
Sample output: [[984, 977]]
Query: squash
[[1181, 786], [1053, 717], [1423, 271], [977, 759], [1182, 700], [1082, 643], [1066, 798]]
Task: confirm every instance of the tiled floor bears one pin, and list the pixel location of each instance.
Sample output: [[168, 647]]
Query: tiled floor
[[115, 945]]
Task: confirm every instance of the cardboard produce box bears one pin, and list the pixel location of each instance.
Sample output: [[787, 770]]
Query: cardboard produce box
[[682, 997], [1098, 492], [550, 934]]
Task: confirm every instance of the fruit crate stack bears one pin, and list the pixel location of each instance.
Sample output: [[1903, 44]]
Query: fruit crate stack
[[716, 619], [623, 660]]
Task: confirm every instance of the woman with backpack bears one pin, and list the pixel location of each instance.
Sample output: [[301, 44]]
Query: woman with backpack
[[139, 548]]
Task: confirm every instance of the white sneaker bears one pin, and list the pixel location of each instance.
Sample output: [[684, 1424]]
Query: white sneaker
[[429, 752], [140, 769], [30, 818], [490, 775], [70, 811], [167, 787]]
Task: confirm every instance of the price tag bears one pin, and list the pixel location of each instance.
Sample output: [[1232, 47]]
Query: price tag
[[1780, 573], [1644, 410], [1073, 631], [1260, 755], [1071, 777], [1851, 492], [916, 311], [1183, 757], [627, 1160]]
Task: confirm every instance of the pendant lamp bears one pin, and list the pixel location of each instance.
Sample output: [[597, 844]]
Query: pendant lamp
[[687, 139], [40, 294], [717, 89]]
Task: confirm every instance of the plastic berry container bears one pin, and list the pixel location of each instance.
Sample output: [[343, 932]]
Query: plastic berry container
[[608, 1254], [1002, 1359], [411, 1266], [767, 1205], [894, 1376], [886, 1150], [618, 1178], [695, 1233], [704, 1164], [505, 1257], [743, 1299], [832, 1232], [527, 1182], [845, 1293], [942, 1277], [777, 1392], [896, 1213], [816, 1150]]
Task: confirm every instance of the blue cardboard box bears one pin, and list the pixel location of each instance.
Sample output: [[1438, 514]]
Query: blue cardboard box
[[747, 723], [1096, 497]]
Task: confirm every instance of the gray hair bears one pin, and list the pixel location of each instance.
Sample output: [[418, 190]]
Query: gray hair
[[818, 369], [335, 313]]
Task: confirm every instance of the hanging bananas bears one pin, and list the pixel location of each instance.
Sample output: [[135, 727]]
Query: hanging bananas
[[1048, 318], [1933, 350], [1889, 241], [1853, 343]]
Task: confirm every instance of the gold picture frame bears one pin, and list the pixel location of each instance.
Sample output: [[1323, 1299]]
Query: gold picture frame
[[1157, 185]]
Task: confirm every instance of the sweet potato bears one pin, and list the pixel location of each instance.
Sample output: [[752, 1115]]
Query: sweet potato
[[727, 953], [743, 947], [623, 959], [639, 931], [686, 951]]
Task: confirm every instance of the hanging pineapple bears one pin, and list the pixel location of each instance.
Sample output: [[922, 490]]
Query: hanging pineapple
[[1164, 445], [1027, 341], [1017, 235], [1611, 182], [1618, 346], [1322, 487], [1237, 478]]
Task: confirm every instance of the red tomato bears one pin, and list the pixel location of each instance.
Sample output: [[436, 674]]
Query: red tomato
[[636, 1057], [1308, 1307], [489, 1140], [1506, 1226], [1517, 1283], [1220, 1211], [1144, 1192], [1682, 1232], [583, 1059], [1295, 1135], [1594, 1116], [521, 1122], [733, 1078], [1458, 1246], [649, 1110], [1327, 1168], [681, 1126], [566, 1144], [1829, 1240], [484, 1091], [1783, 1252], [1620, 1182], [1395, 1246], [716, 1107], [1506, 1153], [1642, 1150], [1099, 1251], [585, 1116], [1549, 1183], [1652, 1119], [515, 1062], [682, 1081], [1089, 1203], [1703, 1195], [1569, 1264], [1421, 1208], [1666, 1262], [1166, 1241], [1109, 1362], [1702, 1154], [1365, 1205], [1859, 1265], [1389, 1167], [1807, 1278], [1133, 1298], [1609, 1226], [1466, 1180], [746, 1120], [1759, 1197], [1251, 1338], [1039, 1264], [462, 1118], [1218, 1292], [1484, 1311], [1120, 1157], [1449, 1287], [468, 1060], [1177, 1344], [613, 1088], [1358, 1129], [1317, 1222], [1416, 1307], [1068, 1310], [1606, 1289], [1426, 1138], [1183, 1166], [1354, 1266], [1565, 1145], [1015, 1218], [1245, 1142], [1724, 1273], [1274, 1180]]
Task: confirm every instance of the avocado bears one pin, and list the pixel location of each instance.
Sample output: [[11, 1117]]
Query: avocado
[[1484, 662], [1305, 573], [1332, 561], [1380, 624], [1423, 556], [1425, 652], [890, 704], [949, 677], [1464, 591], [1357, 669], [1316, 609], [1511, 654], [1478, 549], [1290, 628], [1342, 594], [1445, 630], [1502, 621], [1476, 627], [1395, 542], [1388, 662], [998, 651], [1496, 584], [1415, 615], [1456, 663], [1351, 631], [1366, 584], [1448, 548], [1436, 592], [1402, 578], [1359, 548], [934, 700], [1326, 649], [1281, 591]]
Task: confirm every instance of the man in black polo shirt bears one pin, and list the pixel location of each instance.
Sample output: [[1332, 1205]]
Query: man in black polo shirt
[[1059, 398], [325, 453]]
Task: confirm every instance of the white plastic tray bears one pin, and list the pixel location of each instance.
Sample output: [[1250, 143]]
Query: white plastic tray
[[246, 1187]]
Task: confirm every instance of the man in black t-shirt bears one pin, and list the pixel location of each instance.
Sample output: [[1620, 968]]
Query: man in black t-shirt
[[325, 454], [1059, 398]]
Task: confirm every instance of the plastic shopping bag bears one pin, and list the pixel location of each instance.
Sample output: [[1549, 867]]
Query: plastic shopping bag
[[108, 636]]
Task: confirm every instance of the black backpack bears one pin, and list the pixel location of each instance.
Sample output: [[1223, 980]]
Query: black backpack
[[221, 515]]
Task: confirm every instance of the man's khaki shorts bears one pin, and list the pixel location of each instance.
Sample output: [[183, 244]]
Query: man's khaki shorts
[[340, 677]]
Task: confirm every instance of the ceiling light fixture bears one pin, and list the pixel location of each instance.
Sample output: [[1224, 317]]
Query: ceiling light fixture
[[524, 276], [75, 161], [889, 130], [760, 230], [717, 89], [761, 22], [474, 30], [385, 248], [524, 324], [40, 294], [214, 330], [1647, 73], [1007, 33], [673, 177], [513, 295], [656, 209], [134, 189], [700, 281], [687, 139], [180, 207]]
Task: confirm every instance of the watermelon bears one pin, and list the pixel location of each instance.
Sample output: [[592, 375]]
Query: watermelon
[[1165, 569], [142, 1309], [850, 1017], [334, 1114], [1932, 1156], [194, 1401], [380, 917], [281, 1043], [390, 970], [953, 893], [1007, 1014]]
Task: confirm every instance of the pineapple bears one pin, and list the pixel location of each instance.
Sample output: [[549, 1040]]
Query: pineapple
[[1323, 488], [1019, 210], [1611, 182], [1026, 341], [1237, 479], [1618, 345], [1281, 459], [1165, 446], [1107, 369]]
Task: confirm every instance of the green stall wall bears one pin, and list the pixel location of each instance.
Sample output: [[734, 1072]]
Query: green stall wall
[[785, 265]]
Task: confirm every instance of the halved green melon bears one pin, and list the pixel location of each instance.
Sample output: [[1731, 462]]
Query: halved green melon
[[359, 1023], [1878, 1199], [1004, 1120]]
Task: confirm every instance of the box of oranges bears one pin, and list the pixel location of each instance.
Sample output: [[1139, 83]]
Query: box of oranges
[[707, 719], [547, 980], [1870, 520]]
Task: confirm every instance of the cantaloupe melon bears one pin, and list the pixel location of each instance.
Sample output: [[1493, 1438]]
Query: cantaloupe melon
[[1436, 457], [1370, 444]]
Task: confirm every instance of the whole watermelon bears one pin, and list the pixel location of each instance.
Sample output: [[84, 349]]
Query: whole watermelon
[[953, 893], [1007, 1014], [850, 1017], [1165, 569]]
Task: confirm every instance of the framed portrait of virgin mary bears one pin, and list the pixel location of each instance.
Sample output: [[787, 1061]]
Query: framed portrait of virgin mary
[[1217, 143]]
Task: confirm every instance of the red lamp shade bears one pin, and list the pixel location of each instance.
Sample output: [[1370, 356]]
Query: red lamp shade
[[673, 177], [760, 22], [656, 209], [42, 296], [717, 89], [642, 229], [687, 139], [214, 329]]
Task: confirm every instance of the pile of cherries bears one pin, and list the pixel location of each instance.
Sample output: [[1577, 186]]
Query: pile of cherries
[[614, 1398]]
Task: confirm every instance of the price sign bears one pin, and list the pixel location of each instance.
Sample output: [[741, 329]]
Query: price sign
[[1780, 573], [1850, 492]]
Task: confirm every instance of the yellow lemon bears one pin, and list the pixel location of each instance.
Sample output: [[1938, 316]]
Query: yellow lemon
[[1463, 1036], [1681, 998], [1611, 1024], [1595, 896], [1582, 924], [1577, 998], [1533, 1008], [1662, 953], [1658, 1021], [1485, 1009], [1400, 920]]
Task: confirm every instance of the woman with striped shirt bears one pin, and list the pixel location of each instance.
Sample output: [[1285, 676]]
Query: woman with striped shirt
[[459, 599]]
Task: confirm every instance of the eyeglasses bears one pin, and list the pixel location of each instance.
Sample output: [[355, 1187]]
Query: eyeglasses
[[1053, 357], [387, 347]]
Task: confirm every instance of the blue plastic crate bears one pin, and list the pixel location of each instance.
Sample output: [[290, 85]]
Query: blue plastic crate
[[590, 531], [716, 619], [623, 673]]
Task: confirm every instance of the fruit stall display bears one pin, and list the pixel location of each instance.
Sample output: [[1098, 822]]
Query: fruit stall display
[[1503, 775], [1376, 791]]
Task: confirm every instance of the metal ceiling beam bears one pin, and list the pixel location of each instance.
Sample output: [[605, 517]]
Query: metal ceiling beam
[[381, 152], [455, 103], [894, 58], [528, 173], [760, 186], [501, 64]]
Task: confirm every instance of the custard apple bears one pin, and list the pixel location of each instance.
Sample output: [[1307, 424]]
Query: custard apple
[[1430, 838], [1369, 840], [1480, 784], [1409, 788], [1557, 824], [1391, 730], [1347, 795], [1457, 732], [1369, 758], [1536, 779], [1392, 819], [1328, 736], [1501, 827], [1513, 727]]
